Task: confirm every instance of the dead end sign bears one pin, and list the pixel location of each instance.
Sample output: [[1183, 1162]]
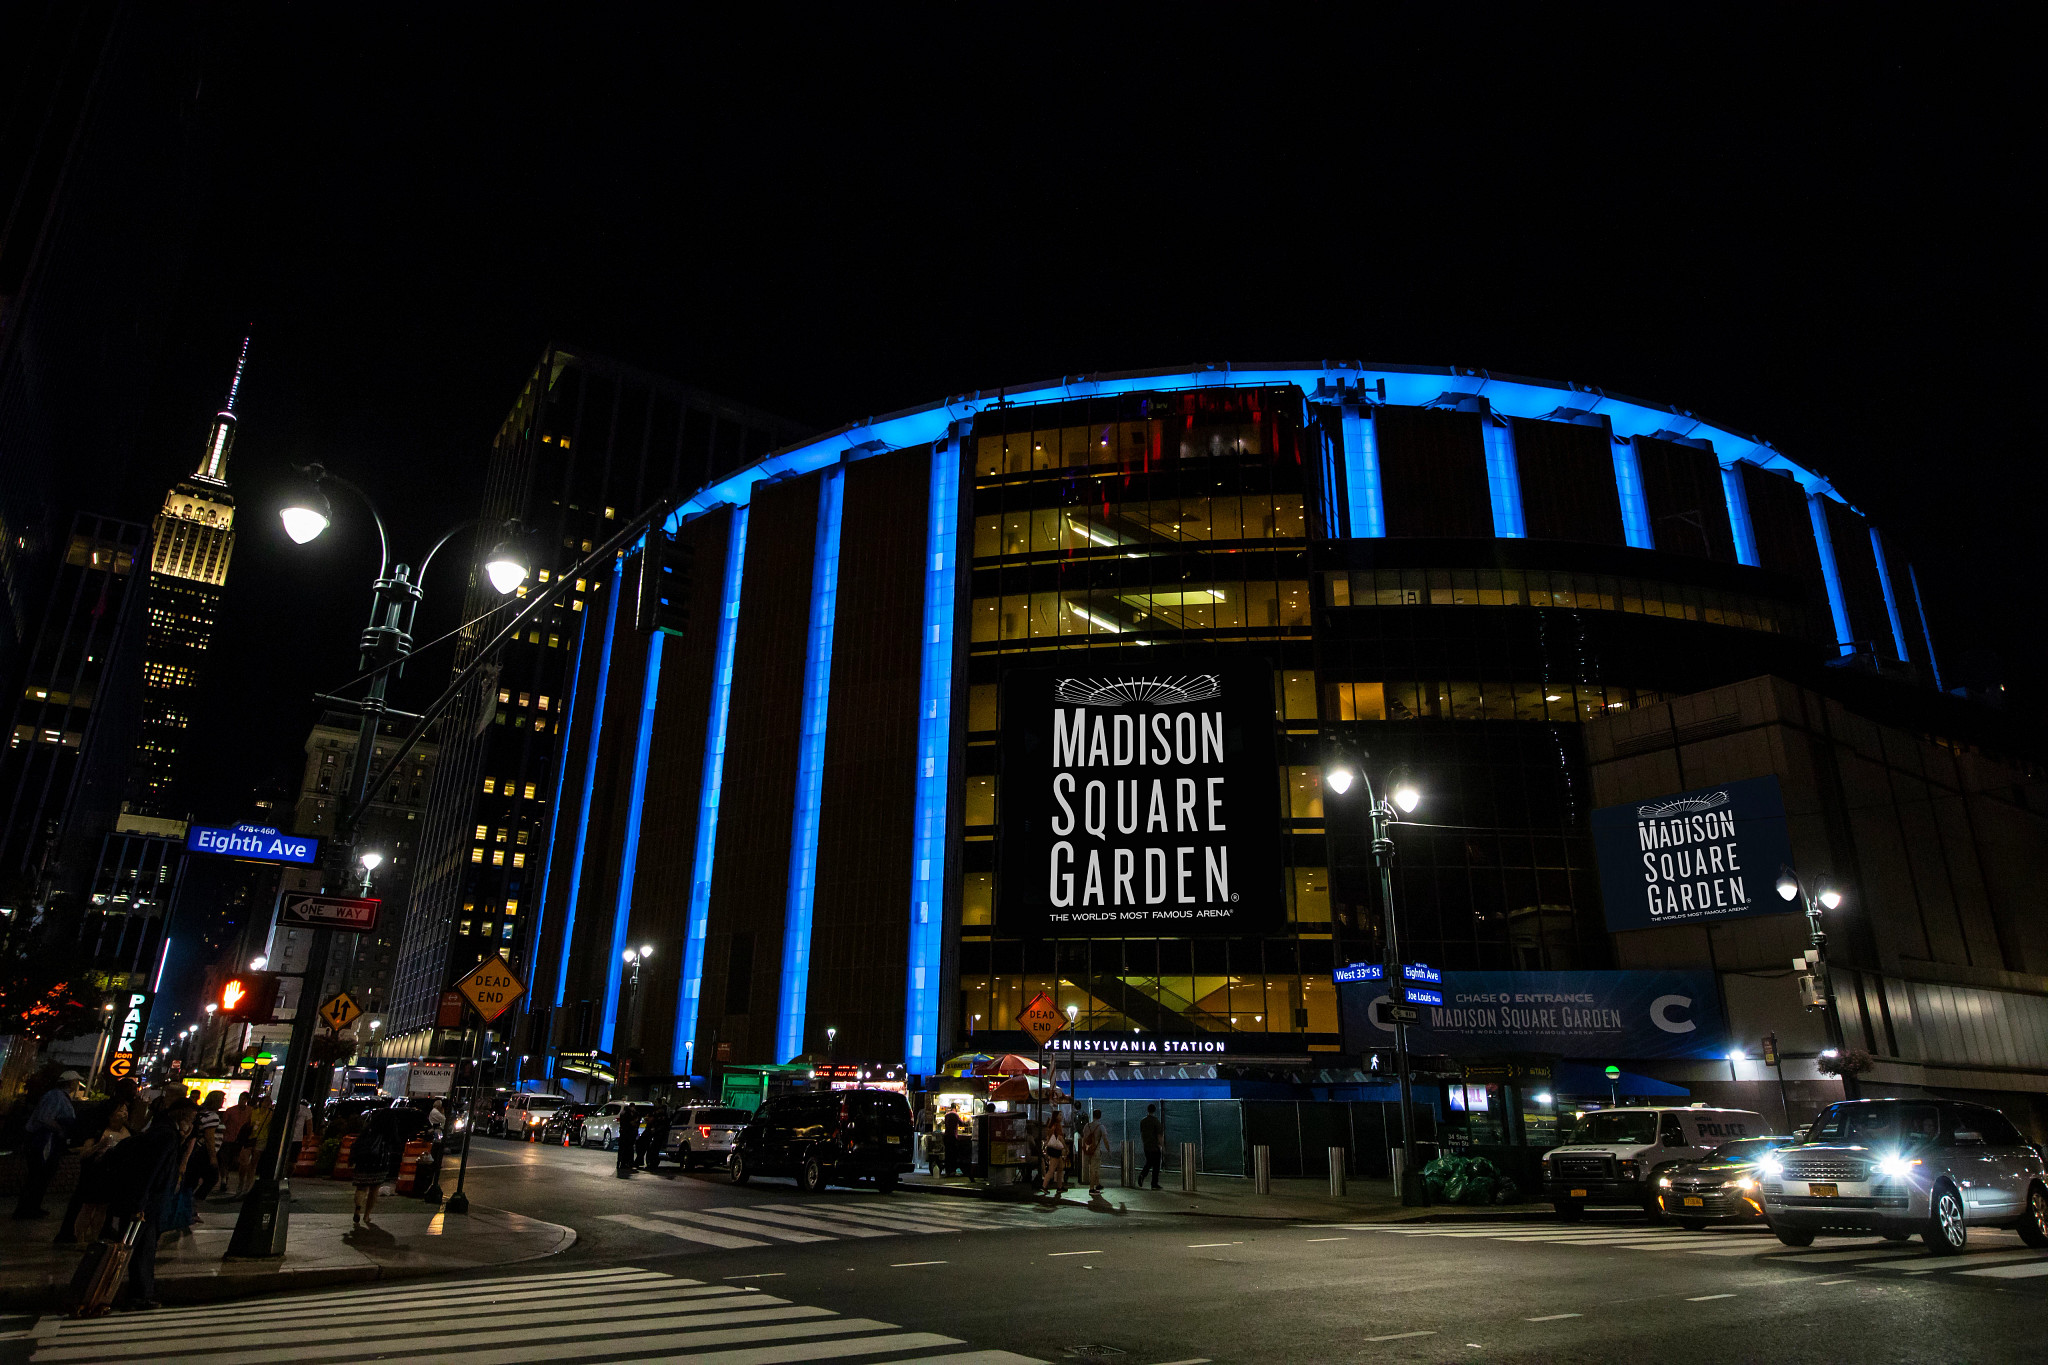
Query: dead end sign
[[492, 988]]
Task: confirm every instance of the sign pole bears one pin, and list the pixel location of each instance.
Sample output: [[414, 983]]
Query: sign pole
[[459, 1202], [490, 990]]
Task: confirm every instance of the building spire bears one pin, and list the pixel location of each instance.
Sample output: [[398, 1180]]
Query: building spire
[[213, 466]]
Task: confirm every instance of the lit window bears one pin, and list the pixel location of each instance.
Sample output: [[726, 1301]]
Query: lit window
[[579, 585], [501, 834], [488, 926], [543, 575], [519, 860], [483, 831], [465, 927], [577, 605], [504, 695], [539, 726], [529, 796], [522, 836], [554, 641], [526, 698], [490, 784], [507, 932], [512, 905], [498, 857], [476, 855], [610, 513], [543, 701]]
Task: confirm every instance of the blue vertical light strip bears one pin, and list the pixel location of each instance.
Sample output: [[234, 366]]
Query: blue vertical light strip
[[1504, 480], [1331, 509], [604, 678], [1738, 516], [629, 853], [547, 869], [1362, 475], [1913, 577], [1635, 508], [1816, 510], [934, 761], [1891, 602], [810, 770], [684, 1058]]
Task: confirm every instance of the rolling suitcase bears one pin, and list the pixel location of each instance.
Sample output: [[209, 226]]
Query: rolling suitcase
[[101, 1272]]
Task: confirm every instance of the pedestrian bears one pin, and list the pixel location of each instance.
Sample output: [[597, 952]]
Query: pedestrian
[[48, 1138], [655, 1143], [437, 1123], [1055, 1155], [302, 1118], [375, 1158], [141, 1188], [1152, 1133], [209, 1124], [629, 1140], [234, 1140], [199, 1170], [954, 1143], [1094, 1137], [255, 1138], [86, 1214]]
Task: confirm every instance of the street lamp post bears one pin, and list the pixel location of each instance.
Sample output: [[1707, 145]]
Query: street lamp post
[[261, 1229], [1381, 812], [1815, 900]]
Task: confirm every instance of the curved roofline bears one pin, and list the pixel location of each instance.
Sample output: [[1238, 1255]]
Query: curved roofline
[[1405, 385]]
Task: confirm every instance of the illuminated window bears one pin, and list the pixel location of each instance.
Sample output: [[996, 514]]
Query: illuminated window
[[488, 926], [610, 513], [543, 701], [530, 789], [526, 698], [577, 605], [498, 857], [490, 784], [483, 832], [539, 726], [579, 585], [507, 931], [504, 695], [464, 929], [519, 860], [476, 855], [543, 575], [501, 834], [512, 905], [554, 641], [522, 833]]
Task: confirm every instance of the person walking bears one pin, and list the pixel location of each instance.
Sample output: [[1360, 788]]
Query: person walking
[[48, 1138], [140, 1190], [375, 1158], [1094, 1137], [954, 1139], [1152, 1133], [655, 1142], [234, 1139], [1055, 1155], [629, 1140], [87, 1211]]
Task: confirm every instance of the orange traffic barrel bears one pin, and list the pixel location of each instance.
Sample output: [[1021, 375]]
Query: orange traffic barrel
[[409, 1166], [344, 1166], [309, 1155]]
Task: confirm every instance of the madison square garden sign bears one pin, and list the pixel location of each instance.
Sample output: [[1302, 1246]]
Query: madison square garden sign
[[1694, 857], [1139, 803]]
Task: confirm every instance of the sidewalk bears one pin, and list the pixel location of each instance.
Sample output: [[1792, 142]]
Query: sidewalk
[[1217, 1196], [410, 1238]]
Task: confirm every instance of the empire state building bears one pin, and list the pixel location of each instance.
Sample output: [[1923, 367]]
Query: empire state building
[[194, 538]]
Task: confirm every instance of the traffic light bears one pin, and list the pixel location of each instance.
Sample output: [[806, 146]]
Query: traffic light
[[662, 601], [250, 998]]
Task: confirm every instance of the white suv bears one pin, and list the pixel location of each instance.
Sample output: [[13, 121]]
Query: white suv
[[601, 1129], [1616, 1155], [526, 1113]]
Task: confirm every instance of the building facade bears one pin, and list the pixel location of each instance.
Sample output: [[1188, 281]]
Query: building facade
[[588, 441], [852, 809]]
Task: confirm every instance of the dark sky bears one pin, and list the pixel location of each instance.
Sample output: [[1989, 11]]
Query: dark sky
[[1826, 235]]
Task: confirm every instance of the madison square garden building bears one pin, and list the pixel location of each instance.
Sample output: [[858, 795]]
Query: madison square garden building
[[1034, 692]]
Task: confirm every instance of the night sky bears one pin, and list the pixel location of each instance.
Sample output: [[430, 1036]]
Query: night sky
[[1826, 236]]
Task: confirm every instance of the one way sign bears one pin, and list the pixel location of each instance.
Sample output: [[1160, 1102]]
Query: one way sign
[[339, 913]]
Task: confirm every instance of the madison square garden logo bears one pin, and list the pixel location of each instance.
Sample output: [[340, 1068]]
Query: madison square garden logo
[[1139, 803], [1692, 857]]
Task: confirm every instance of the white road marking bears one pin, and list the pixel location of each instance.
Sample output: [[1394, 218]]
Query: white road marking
[[1554, 1317], [1329, 1239], [1197, 1246], [1401, 1336], [688, 1234], [1095, 1252], [2011, 1272], [1709, 1298], [797, 1220], [899, 1265], [723, 1224]]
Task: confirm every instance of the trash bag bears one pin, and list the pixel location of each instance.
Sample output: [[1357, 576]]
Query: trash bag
[[1468, 1180]]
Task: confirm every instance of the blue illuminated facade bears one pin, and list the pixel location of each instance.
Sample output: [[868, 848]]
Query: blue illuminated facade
[[582, 836], [934, 757]]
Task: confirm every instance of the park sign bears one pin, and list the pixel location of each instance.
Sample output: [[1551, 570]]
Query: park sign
[[259, 842], [1693, 857], [1139, 803]]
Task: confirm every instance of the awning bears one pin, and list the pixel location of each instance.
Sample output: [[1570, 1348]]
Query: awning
[[1581, 1078]]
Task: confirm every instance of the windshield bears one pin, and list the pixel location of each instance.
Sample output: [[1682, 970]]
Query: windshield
[[719, 1116], [1872, 1124], [1748, 1149], [1618, 1128], [544, 1102]]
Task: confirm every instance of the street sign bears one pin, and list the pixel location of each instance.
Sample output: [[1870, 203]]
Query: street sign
[[340, 1012], [449, 1015], [1416, 971], [1421, 995], [1359, 971], [328, 912], [121, 1066], [1042, 1018], [1770, 1049], [1401, 1014], [491, 989], [261, 843]]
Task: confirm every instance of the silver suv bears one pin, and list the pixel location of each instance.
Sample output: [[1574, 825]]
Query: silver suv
[[1897, 1167]]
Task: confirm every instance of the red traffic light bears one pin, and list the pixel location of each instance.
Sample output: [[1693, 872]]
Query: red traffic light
[[250, 998]]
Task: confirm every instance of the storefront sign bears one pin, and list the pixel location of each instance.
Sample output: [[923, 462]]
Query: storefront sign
[[260, 842], [1106, 1045], [1636, 1015], [1694, 857], [1139, 804]]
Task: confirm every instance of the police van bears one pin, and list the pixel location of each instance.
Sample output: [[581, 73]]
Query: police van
[[1616, 1155]]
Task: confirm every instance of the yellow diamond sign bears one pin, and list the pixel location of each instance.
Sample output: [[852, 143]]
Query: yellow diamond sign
[[1042, 1018], [491, 989], [341, 1011]]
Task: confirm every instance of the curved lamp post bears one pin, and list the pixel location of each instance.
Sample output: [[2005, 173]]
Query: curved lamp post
[[1815, 900]]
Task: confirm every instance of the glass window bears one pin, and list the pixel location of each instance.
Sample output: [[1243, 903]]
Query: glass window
[[981, 706], [1308, 895], [1298, 694], [1340, 589], [980, 800], [1305, 793], [977, 898]]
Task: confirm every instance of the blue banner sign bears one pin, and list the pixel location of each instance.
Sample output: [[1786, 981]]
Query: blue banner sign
[[1422, 995], [1415, 971], [1635, 1016], [1694, 857], [259, 842], [1358, 971]]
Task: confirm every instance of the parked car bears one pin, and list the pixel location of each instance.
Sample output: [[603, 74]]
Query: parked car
[[836, 1137], [1900, 1167], [1725, 1187], [565, 1125], [1617, 1156], [704, 1136], [524, 1114], [601, 1125]]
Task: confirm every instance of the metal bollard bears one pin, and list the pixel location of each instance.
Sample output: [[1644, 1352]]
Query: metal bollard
[[1262, 1170], [1130, 1155], [1338, 1158], [1188, 1162]]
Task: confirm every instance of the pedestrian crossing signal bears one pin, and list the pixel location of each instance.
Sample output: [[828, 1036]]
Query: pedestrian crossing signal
[[250, 998]]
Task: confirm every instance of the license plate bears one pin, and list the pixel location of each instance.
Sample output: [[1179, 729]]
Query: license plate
[[1693, 1201], [1578, 1194], [897, 1140], [1823, 1191]]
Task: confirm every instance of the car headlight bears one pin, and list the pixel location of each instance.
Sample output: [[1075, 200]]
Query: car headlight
[[1897, 1167], [1771, 1167], [1664, 1182], [1746, 1183]]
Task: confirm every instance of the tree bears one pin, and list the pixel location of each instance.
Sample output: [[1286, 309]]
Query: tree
[[47, 990]]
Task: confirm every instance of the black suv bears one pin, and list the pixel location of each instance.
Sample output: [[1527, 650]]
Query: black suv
[[833, 1138]]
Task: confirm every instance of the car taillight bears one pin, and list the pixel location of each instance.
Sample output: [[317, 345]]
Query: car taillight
[[704, 1129]]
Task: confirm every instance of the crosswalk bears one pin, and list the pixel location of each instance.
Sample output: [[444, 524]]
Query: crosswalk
[[733, 1227], [1993, 1254], [622, 1315]]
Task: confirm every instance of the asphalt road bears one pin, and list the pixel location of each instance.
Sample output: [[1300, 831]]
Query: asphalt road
[[673, 1266]]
